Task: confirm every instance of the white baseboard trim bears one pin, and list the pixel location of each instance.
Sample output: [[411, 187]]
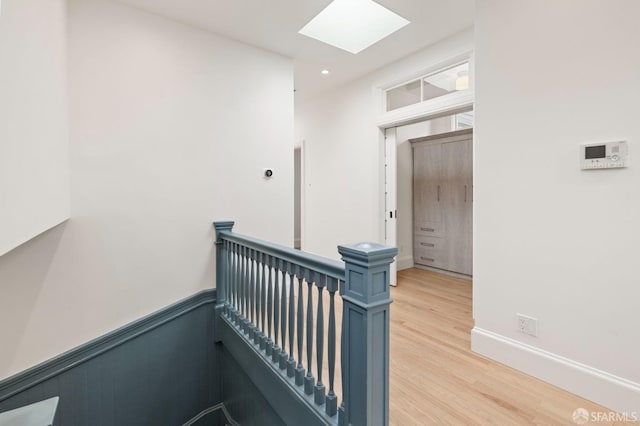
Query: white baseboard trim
[[613, 392], [405, 262]]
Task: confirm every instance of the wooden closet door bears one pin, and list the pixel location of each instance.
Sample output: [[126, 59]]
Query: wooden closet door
[[456, 195], [468, 219], [427, 207]]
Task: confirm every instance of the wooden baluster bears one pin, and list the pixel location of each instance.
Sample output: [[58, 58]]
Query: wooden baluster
[[238, 285], [308, 379], [241, 285], [300, 317], [236, 282], [247, 290], [283, 318], [232, 277], [254, 298], [342, 416], [291, 362], [275, 356], [331, 406], [240, 291], [319, 394], [263, 297], [252, 293], [245, 299], [243, 281], [258, 289], [247, 287], [227, 245], [269, 342], [255, 292]]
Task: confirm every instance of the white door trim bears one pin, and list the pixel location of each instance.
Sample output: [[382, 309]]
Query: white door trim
[[302, 194], [390, 204], [454, 103]]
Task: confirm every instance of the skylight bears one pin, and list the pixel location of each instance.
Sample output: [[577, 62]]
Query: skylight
[[353, 25]]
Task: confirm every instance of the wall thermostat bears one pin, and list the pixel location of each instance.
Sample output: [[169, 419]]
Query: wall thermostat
[[609, 155], [268, 173]]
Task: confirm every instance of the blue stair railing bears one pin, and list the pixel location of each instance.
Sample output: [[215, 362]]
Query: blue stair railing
[[273, 298]]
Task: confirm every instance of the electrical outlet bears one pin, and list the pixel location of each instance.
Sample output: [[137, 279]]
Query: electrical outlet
[[527, 325]]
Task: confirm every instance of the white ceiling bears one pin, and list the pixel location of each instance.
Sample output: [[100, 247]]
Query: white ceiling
[[274, 25]]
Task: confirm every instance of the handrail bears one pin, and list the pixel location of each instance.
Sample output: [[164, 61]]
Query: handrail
[[332, 268], [262, 292]]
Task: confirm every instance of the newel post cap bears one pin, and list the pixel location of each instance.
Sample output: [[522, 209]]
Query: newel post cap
[[225, 225], [367, 254], [367, 273]]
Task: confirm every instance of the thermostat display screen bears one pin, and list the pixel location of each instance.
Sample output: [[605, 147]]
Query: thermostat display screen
[[609, 155], [598, 151]]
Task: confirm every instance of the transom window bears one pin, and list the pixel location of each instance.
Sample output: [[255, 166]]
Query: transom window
[[433, 85]]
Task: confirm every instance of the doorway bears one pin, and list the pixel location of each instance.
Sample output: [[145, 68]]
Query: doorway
[[399, 197]]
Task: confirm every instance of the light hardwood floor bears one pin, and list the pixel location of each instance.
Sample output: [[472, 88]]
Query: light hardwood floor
[[437, 380]]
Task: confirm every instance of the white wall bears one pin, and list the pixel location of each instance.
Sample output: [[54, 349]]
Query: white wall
[[344, 152], [171, 128], [34, 135], [552, 241]]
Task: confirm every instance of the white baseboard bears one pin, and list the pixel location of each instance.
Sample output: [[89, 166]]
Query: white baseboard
[[405, 262], [613, 392]]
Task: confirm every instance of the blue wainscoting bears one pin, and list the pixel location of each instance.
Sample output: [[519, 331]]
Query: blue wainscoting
[[244, 402], [163, 369]]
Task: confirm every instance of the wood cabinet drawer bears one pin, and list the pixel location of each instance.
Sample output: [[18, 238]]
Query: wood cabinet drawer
[[432, 244], [428, 257], [429, 229]]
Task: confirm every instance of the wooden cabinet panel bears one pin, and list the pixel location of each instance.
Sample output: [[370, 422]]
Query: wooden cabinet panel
[[456, 198], [426, 177]]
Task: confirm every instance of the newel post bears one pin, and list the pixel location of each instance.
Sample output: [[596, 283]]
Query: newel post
[[365, 334], [222, 268]]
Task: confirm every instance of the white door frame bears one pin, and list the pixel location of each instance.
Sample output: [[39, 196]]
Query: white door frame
[[390, 200], [302, 193]]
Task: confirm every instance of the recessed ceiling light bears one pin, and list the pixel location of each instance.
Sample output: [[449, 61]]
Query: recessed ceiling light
[[353, 25], [324, 72]]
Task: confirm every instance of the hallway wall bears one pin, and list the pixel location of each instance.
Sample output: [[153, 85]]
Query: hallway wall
[[552, 241], [171, 128]]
